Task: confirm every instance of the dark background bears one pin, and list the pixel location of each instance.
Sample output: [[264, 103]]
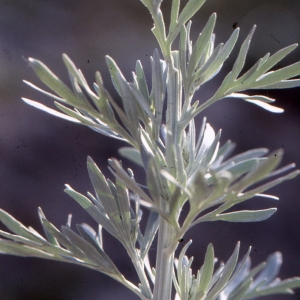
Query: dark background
[[40, 153]]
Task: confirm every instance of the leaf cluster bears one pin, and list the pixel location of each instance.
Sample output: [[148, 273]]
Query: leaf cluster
[[182, 166]]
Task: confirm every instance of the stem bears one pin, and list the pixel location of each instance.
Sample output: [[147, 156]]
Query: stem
[[184, 123], [164, 262], [139, 267], [130, 286]]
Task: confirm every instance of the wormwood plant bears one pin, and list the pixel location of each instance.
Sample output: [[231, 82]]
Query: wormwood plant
[[182, 166]]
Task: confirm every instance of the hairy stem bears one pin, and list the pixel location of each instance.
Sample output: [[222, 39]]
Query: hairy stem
[[139, 267], [164, 262]]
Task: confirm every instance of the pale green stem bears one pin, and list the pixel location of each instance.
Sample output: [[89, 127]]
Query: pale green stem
[[139, 267], [164, 262], [130, 286], [206, 104], [166, 233]]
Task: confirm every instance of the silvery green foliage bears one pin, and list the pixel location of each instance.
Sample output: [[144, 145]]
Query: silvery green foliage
[[182, 166]]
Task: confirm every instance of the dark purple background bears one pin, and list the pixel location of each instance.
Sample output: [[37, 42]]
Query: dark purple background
[[40, 153]]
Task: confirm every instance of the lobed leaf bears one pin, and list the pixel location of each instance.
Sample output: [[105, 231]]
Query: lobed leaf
[[188, 11], [240, 60], [201, 44], [52, 81]]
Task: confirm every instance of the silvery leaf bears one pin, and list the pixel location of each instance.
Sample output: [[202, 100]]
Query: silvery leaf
[[247, 215], [51, 239], [149, 233], [50, 110], [124, 90], [226, 274], [18, 228], [141, 80], [240, 61], [12, 248], [211, 68], [94, 211], [275, 58], [52, 81], [132, 154], [201, 44], [129, 182], [188, 11], [43, 92], [89, 235], [174, 14]]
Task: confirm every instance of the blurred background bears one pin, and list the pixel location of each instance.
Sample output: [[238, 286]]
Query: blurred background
[[40, 153]]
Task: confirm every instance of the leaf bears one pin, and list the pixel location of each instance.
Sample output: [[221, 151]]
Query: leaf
[[255, 97], [247, 215], [12, 248], [129, 182], [176, 183], [98, 259], [18, 228], [75, 114], [141, 80], [283, 287], [207, 141], [146, 148], [124, 90], [50, 110], [271, 270], [101, 186], [226, 274], [89, 235], [240, 61], [51, 239], [211, 153], [273, 77], [147, 3], [155, 182], [150, 232], [182, 53], [93, 211], [201, 44], [78, 76], [250, 154], [108, 196], [20, 239], [242, 167], [72, 250], [241, 290], [266, 106], [182, 262], [188, 11], [132, 154], [52, 81], [248, 77], [258, 100], [159, 77], [266, 282], [260, 172], [212, 67], [174, 14], [276, 57], [283, 84], [224, 152], [156, 4], [123, 204], [43, 92], [142, 104], [207, 270]]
